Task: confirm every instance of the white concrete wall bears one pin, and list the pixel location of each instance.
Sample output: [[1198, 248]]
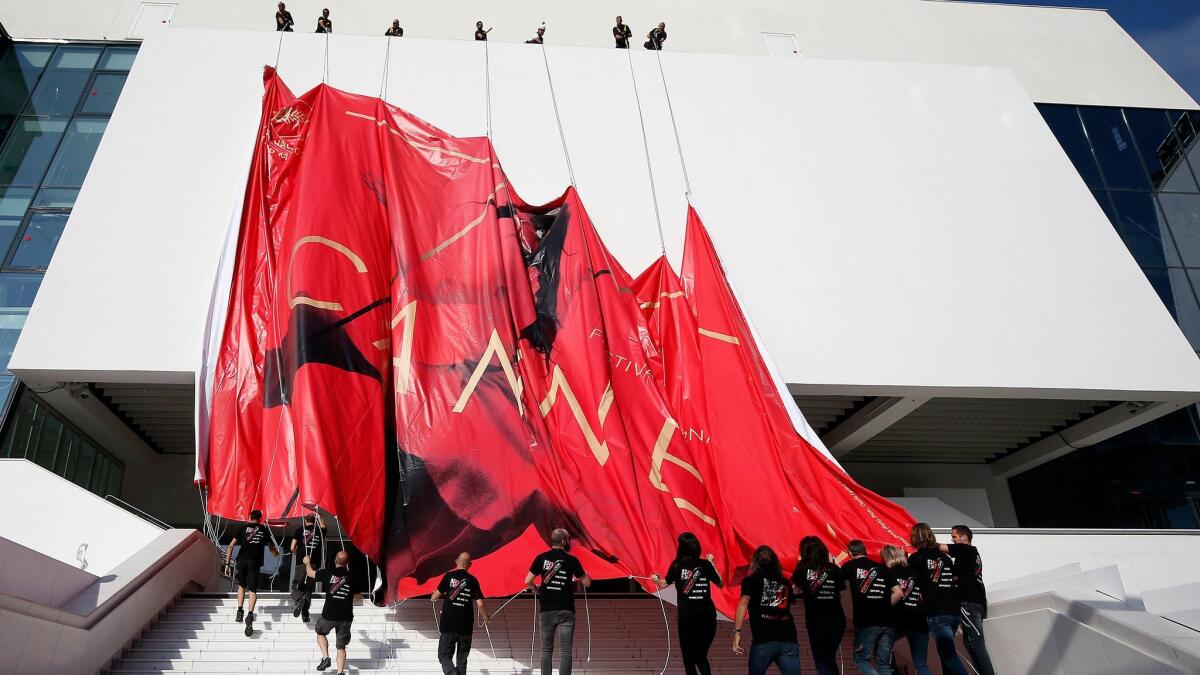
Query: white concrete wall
[[890, 226], [29, 575], [53, 516], [1059, 55]]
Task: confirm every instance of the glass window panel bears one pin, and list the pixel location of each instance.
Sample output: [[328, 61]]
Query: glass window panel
[[1110, 138], [19, 70], [58, 92], [47, 443], [99, 474], [1187, 312], [1143, 229], [1156, 142], [1102, 199], [81, 464], [1064, 122], [65, 449], [1162, 285], [118, 58], [55, 198], [39, 240], [18, 290], [6, 124], [8, 385], [31, 145], [75, 58], [14, 201], [115, 476], [102, 96], [20, 434], [1183, 215], [74, 156]]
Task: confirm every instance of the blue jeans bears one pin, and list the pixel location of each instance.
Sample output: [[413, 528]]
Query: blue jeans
[[973, 616], [918, 644], [873, 641], [942, 628], [786, 655]]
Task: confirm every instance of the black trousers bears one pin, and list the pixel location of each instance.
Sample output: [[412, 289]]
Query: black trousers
[[450, 643], [825, 638], [696, 633]]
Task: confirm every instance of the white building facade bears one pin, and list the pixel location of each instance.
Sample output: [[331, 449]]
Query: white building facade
[[966, 232]]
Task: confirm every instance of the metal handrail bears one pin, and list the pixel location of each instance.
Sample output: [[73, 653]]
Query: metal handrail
[[137, 512]]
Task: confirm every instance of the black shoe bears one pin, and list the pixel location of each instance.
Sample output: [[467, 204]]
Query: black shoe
[[240, 615], [325, 663], [296, 610], [306, 618], [249, 624]]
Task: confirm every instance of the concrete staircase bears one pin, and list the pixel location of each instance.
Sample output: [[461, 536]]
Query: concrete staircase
[[198, 635]]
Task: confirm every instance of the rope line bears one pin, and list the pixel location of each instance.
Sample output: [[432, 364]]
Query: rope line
[[387, 59], [675, 127], [558, 117], [646, 146], [278, 49], [325, 74], [487, 87], [666, 622], [588, 612]]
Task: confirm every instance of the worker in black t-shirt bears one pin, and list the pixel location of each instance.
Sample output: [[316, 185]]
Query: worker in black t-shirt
[[939, 595], [338, 611], [872, 592], [253, 537], [283, 19], [539, 38], [622, 34], [693, 578], [907, 613], [481, 35], [820, 583], [307, 540], [324, 23], [656, 37], [557, 571], [767, 599], [462, 594], [968, 569], [394, 30]]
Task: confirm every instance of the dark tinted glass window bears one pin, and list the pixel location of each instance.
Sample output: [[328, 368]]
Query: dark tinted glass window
[[31, 145], [1064, 122], [58, 93], [1156, 142], [74, 156], [55, 198], [1162, 285], [102, 95], [49, 435], [1113, 143], [1187, 311], [13, 202], [1143, 229], [20, 68], [39, 240]]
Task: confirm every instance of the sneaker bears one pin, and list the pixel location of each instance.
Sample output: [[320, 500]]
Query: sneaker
[[249, 624], [325, 663], [306, 618], [241, 613], [296, 610]]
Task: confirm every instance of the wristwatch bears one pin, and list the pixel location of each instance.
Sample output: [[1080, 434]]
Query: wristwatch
[[737, 630]]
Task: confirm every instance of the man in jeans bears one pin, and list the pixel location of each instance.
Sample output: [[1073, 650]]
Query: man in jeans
[[871, 590], [558, 571], [462, 594], [968, 569], [939, 595]]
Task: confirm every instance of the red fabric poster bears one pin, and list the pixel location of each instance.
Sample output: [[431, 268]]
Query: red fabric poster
[[413, 348]]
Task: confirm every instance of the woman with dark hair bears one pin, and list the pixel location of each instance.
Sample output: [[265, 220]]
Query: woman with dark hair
[[821, 583], [939, 595], [693, 577], [767, 598]]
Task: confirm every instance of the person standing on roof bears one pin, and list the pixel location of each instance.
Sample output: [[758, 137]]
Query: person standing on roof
[[324, 23], [283, 19], [394, 30], [622, 33], [481, 35], [656, 37]]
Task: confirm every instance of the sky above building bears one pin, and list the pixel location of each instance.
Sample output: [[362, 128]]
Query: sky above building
[[1168, 29]]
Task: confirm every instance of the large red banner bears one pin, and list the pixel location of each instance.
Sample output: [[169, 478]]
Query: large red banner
[[402, 325]]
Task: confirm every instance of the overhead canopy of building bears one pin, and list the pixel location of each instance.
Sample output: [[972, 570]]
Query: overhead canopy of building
[[1060, 55]]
